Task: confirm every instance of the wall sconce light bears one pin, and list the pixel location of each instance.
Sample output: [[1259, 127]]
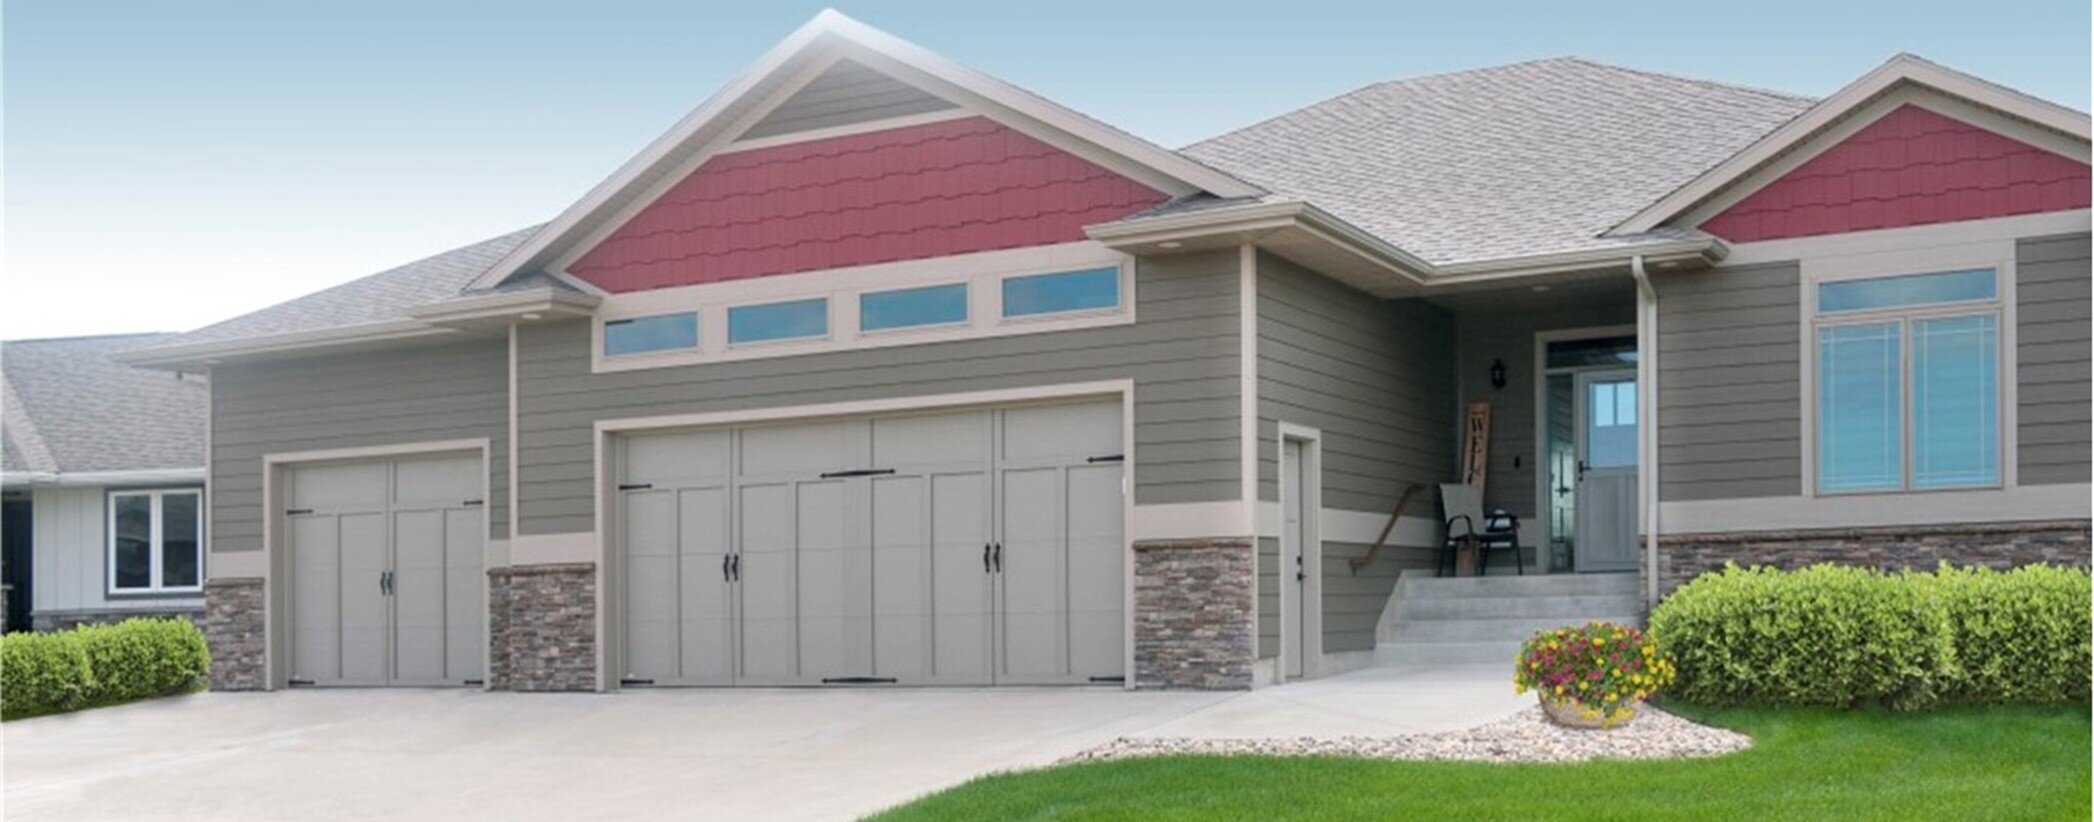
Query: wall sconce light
[[1497, 373]]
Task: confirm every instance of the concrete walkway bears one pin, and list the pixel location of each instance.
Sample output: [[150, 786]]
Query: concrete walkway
[[665, 754]]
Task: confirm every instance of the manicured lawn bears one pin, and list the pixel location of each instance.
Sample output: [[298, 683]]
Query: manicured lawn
[[1975, 763]]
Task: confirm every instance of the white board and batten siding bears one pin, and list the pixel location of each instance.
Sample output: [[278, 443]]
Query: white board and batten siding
[[70, 563]]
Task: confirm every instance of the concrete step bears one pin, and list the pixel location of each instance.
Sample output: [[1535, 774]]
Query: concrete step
[[1493, 630], [1537, 585], [1403, 652], [1497, 607]]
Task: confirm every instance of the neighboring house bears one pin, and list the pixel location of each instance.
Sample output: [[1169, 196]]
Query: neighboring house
[[876, 368], [102, 483]]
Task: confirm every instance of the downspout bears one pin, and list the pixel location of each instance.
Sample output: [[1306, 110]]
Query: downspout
[[1647, 432]]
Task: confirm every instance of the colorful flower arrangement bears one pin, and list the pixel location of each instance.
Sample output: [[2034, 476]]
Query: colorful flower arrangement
[[1597, 673]]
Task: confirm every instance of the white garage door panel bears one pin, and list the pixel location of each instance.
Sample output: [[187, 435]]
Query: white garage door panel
[[863, 548], [387, 570]]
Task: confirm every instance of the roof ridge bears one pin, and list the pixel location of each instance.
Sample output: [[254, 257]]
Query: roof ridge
[[1699, 81], [1419, 78]]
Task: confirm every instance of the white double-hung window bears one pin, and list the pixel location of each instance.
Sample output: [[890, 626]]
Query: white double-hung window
[[1907, 383]]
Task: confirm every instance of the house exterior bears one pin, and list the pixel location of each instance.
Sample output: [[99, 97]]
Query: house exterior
[[101, 484], [878, 369]]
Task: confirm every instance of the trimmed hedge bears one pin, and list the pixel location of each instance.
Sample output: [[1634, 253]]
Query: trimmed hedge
[[93, 665], [1836, 635]]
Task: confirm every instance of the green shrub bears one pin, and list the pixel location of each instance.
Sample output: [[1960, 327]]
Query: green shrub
[[99, 665], [1835, 635], [2021, 635], [141, 658], [42, 674]]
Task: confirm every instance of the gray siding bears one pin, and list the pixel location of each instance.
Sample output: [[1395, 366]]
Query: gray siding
[[847, 93], [2051, 346], [1182, 355], [447, 391], [1729, 383], [1374, 376], [1489, 336]]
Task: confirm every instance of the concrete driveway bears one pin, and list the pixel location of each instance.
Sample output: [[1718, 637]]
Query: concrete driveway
[[771, 753]]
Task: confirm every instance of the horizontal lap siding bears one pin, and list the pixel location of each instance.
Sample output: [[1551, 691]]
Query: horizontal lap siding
[[1376, 379], [1374, 376], [1729, 380], [2052, 348], [1181, 354], [446, 391]]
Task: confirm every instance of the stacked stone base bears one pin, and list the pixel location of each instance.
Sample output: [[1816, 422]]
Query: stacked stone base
[[1682, 557], [1195, 613], [234, 629], [542, 627], [62, 620]]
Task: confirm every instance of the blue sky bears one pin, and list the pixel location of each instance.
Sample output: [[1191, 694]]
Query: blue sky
[[172, 164]]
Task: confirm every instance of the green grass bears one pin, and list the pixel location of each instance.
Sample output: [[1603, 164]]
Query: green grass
[[1964, 764]]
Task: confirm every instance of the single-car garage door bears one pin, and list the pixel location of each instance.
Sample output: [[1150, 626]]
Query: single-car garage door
[[947, 548], [386, 571]]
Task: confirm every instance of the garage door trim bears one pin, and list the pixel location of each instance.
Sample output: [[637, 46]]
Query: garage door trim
[[610, 602], [277, 582]]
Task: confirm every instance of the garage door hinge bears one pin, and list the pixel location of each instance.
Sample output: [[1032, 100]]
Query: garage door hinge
[[1109, 458], [632, 681], [472, 502], [635, 486], [297, 682], [1116, 680], [860, 472], [475, 682], [858, 680], [292, 512]]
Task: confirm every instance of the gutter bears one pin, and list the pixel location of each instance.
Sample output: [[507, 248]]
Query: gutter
[[484, 311], [1647, 432], [139, 476]]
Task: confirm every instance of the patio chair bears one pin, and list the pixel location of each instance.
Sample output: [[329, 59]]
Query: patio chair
[[1467, 525]]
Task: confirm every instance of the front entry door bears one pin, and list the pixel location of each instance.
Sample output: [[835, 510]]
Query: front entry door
[[1606, 471]]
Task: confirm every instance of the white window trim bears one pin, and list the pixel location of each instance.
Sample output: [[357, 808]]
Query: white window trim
[[155, 537], [982, 272], [1997, 254]]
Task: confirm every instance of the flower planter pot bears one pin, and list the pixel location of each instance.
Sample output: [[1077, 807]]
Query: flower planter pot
[[1571, 713]]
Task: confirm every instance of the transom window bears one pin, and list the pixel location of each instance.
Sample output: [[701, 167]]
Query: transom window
[[913, 307], [1907, 382], [1060, 293], [771, 322], [640, 335], [156, 541]]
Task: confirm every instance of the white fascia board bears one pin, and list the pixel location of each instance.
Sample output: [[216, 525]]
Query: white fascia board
[[196, 355], [805, 42], [1903, 68], [501, 306], [1415, 270], [139, 476]]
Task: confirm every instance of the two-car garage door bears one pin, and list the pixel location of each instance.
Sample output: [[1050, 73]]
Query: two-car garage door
[[971, 547]]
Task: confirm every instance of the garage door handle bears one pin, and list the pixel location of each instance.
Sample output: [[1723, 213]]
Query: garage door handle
[[737, 566], [724, 560], [985, 557], [998, 554]]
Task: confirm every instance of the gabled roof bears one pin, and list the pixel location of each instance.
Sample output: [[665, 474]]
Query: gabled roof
[[1899, 71], [798, 59], [1515, 161], [68, 407]]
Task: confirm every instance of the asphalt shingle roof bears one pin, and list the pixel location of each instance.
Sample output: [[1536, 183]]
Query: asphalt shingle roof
[[1529, 158], [70, 407], [380, 297]]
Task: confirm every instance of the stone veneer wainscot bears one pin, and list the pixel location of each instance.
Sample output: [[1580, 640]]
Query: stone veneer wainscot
[[1682, 557], [234, 631], [1194, 613], [542, 627]]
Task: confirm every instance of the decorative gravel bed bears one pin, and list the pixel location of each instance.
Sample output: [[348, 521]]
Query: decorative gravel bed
[[1527, 736]]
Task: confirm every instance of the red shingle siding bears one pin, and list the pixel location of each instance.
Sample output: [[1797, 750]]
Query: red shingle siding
[[908, 193], [1912, 167]]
